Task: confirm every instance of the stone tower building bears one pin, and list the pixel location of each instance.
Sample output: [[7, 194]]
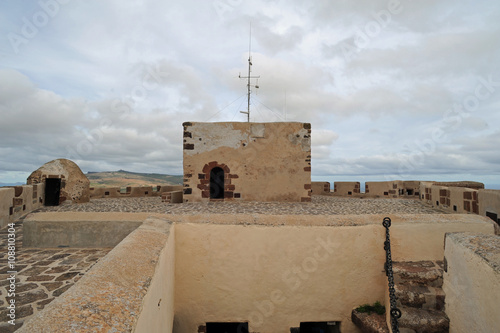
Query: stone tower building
[[247, 161]]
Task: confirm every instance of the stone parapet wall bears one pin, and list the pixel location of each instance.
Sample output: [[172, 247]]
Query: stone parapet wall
[[489, 205], [17, 201], [468, 184], [463, 200], [132, 191], [320, 188], [393, 189], [387, 189], [472, 282], [347, 188], [172, 196], [129, 290], [86, 230]]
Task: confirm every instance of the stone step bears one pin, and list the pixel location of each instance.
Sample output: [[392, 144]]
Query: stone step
[[419, 296], [425, 273], [369, 323], [415, 320]]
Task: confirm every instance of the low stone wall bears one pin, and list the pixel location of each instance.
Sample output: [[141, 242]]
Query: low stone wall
[[489, 204], [320, 188], [132, 191], [129, 290], [388, 189], [393, 189], [472, 282], [346, 188], [468, 184], [86, 230], [17, 201], [464, 200], [172, 197]]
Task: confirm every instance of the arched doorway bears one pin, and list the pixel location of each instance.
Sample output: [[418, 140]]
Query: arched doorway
[[217, 183]]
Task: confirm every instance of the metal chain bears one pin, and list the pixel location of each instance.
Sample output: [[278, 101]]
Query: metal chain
[[394, 312]]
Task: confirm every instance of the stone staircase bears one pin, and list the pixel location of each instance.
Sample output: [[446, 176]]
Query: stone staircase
[[420, 298]]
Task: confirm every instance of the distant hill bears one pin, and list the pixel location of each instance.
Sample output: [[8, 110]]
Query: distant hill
[[11, 184], [125, 178]]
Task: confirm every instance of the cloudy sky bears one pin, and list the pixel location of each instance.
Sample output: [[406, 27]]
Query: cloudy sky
[[393, 89]]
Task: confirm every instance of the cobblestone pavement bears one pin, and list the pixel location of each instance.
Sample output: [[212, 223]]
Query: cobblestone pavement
[[42, 275], [320, 205]]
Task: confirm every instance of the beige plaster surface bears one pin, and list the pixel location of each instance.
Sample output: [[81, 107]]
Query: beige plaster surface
[[79, 229], [457, 199], [472, 282], [489, 201], [157, 313], [379, 188], [6, 196], [22, 204], [429, 220], [87, 216], [275, 277], [109, 298], [76, 234], [343, 188], [318, 188], [435, 191], [276, 271]]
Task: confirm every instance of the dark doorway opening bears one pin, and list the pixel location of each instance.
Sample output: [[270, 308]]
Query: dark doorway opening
[[227, 327], [217, 183], [320, 327], [493, 216], [52, 191]]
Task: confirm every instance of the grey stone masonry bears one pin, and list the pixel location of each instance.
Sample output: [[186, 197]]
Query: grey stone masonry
[[42, 275]]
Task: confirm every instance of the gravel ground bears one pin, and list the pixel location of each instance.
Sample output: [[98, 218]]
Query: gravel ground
[[320, 205]]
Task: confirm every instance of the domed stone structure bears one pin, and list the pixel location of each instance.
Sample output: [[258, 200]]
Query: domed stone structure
[[63, 181]]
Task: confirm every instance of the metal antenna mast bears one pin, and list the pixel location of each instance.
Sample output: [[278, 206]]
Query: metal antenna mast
[[249, 77]]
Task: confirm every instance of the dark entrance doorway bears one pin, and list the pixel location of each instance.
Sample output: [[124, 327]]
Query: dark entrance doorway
[[217, 183], [320, 327], [493, 216], [52, 191], [227, 327]]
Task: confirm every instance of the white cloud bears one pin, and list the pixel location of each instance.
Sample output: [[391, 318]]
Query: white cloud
[[77, 86]]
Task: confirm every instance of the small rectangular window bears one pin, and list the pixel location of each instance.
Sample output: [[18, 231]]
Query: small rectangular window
[[455, 208]]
